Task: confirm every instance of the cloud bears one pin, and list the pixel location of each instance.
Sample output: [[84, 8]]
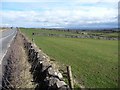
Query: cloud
[[62, 17], [4, 25], [65, 14]]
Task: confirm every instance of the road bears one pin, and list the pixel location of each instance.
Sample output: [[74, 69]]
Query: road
[[6, 38]]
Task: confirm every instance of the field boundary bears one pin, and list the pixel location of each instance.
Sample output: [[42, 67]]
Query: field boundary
[[47, 76]]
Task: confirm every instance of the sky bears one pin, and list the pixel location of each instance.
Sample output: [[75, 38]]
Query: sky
[[59, 13]]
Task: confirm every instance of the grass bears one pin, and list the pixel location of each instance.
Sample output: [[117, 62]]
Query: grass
[[94, 62]]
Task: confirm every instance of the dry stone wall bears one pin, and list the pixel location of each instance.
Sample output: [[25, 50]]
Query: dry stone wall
[[44, 74], [77, 36]]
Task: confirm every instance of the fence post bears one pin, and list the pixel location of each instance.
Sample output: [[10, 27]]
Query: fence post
[[32, 39], [70, 79]]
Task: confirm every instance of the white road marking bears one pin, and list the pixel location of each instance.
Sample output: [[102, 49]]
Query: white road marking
[[7, 45], [6, 36]]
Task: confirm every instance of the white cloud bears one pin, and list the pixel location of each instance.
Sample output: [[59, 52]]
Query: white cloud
[[62, 17], [4, 25]]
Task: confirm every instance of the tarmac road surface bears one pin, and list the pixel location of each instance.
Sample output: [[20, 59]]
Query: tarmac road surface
[[6, 38]]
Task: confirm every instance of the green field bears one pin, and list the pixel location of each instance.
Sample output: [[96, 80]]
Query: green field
[[94, 62]]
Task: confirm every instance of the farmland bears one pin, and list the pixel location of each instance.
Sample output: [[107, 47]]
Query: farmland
[[94, 62]]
